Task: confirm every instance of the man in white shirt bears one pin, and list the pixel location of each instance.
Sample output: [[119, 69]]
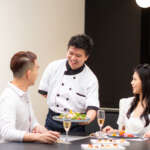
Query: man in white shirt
[[69, 84], [17, 120]]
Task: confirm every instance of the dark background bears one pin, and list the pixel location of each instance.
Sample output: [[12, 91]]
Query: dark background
[[121, 33]]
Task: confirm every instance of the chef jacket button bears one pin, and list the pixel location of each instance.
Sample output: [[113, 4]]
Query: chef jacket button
[[67, 99], [58, 95], [74, 77], [62, 84], [57, 105], [70, 89], [65, 109]]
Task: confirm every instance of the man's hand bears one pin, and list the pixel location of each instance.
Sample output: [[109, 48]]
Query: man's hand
[[47, 137], [39, 129]]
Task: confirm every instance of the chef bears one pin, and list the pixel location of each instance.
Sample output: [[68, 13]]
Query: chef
[[69, 84]]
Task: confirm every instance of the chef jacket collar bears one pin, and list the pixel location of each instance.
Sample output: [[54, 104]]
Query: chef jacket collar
[[73, 72]]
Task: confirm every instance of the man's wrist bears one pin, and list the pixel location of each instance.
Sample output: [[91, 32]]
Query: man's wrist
[[32, 137]]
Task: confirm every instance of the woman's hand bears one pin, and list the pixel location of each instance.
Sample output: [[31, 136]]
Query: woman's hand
[[147, 134], [108, 129]]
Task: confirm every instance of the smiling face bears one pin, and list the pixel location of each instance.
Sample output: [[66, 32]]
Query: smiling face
[[76, 57], [136, 84]]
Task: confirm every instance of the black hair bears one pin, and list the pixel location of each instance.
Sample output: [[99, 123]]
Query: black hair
[[82, 41], [143, 70]]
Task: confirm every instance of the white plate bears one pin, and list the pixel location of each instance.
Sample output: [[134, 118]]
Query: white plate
[[72, 120], [101, 147], [98, 134], [110, 141], [123, 137]]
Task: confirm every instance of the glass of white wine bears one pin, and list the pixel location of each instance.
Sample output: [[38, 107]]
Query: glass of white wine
[[100, 120], [66, 125]]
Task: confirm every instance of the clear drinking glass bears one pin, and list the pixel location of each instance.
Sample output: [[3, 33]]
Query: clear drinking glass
[[100, 120], [66, 125]]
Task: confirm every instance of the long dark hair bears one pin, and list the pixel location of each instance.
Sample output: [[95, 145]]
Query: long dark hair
[[143, 70]]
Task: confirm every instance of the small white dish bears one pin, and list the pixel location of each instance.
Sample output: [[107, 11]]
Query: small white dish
[[110, 141], [102, 147]]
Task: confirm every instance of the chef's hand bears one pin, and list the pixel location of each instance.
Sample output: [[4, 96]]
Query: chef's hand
[[90, 114], [45, 96], [84, 123]]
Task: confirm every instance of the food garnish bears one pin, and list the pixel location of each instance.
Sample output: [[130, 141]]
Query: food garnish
[[73, 115]]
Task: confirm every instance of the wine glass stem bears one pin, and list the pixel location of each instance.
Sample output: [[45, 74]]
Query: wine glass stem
[[99, 131], [66, 136]]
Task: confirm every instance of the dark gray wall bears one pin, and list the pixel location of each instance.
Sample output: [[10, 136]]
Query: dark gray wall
[[145, 36], [115, 26]]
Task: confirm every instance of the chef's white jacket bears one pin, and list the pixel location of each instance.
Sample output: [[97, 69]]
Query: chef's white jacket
[[77, 92]]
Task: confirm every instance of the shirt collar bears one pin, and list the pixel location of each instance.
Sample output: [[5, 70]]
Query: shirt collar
[[17, 90], [73, 72]]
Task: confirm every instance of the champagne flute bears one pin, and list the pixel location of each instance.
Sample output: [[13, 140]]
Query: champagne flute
[[100, 119], [66, 125]]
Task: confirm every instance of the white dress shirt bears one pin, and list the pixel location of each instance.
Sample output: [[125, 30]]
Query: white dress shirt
[[16, 114], [64, 92], [134, 125]]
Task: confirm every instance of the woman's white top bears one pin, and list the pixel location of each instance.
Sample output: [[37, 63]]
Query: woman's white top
[[16, 114], [65, 92], [134, 125]]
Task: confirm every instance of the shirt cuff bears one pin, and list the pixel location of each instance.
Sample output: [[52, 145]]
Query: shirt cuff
[[14, 135], [42, 92], [22, 136], [92, 108]]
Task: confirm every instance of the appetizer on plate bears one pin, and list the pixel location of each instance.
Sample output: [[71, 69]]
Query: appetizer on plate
[[101, 147], [97, 134], [73, 116], [122, 134], [110, 141]]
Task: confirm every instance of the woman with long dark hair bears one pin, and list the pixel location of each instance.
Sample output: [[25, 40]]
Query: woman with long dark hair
[[134, 112]]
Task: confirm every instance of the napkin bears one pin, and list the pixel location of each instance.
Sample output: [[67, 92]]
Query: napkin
[[70, 138]]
